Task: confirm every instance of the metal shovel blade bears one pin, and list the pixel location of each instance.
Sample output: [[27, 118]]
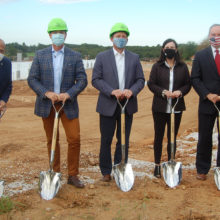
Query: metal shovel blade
[[1, 188], [49, 184], [217, 177], [172, 173], [124, 176]]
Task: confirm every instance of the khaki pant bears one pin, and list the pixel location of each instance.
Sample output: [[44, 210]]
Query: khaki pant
[[72, 131]]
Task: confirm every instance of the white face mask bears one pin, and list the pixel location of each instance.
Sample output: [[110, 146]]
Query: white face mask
[[1, 56]]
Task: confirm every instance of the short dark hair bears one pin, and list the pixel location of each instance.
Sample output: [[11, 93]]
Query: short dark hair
[[214, 25], [162, 57]]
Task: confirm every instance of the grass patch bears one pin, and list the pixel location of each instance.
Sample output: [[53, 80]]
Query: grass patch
[[6, 205]]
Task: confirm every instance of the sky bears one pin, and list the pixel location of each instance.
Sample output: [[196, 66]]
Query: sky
[[150, 22]]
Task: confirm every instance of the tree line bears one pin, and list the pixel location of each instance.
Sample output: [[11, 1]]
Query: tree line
[[89, 51]]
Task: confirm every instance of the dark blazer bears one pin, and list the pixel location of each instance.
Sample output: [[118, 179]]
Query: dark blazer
[[5, 79], [159, 80], [105, 79], [205, 79], [41, 80]]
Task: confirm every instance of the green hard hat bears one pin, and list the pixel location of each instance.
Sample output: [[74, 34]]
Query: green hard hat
[[119, 27], [57, 24]]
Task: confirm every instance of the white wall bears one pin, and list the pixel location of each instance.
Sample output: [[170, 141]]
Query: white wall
[[20, 70]]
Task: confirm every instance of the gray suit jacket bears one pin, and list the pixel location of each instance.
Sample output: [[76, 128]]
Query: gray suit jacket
[[41, 80], [105, 79]]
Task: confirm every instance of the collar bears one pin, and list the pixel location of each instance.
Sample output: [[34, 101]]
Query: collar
[[117, 53], [166, 64], [61, 50]]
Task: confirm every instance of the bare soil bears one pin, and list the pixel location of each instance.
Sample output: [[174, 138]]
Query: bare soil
[[23, 155]]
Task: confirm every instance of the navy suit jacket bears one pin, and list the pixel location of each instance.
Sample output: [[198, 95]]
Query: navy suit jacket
[[41, 80], [105, 79], [205, 79], [5, 79]]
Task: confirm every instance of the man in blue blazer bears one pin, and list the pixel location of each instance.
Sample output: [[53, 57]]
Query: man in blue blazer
[[117, 74], [206, 81], [5, 78], [57, 75]]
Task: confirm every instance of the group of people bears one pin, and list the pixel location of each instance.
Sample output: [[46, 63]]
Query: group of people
[[57, 76]]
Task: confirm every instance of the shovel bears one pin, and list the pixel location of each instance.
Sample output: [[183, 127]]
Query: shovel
[[172, 170], [50, 181], [2, 112], [217, 169], [123, 173]]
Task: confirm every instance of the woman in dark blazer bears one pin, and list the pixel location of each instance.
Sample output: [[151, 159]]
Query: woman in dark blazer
[[169, 80]]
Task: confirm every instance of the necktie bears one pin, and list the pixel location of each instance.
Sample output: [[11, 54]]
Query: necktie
[[217, 61]]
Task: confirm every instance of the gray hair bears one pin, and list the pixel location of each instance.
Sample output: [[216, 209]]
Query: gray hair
[[214, 25]]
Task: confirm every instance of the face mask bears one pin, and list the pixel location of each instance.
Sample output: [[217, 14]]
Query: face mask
[[215, 41], [1, 56], [169, 53], [58, 39], [120, 42]]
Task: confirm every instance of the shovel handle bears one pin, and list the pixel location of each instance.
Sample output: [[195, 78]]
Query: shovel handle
[[54, 137], [172, 130], [218, 118], [172, 134], [122, 130], [2, 112], [124, 106]]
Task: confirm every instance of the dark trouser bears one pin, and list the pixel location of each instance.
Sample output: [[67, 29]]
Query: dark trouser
[[160, 121], [107, 129], [72, 131], [204, 147]]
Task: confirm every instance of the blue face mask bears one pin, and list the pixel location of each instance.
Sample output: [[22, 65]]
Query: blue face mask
[[58, 39], [120, 42]]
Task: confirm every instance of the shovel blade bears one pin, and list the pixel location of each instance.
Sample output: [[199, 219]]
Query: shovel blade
[[217, 177], [124, 176], [172, 173], [1, 188], [49, 184]]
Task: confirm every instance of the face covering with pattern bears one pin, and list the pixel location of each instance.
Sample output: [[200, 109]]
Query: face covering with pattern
[[58, 39], [215, 41], [169, 53], [120, 42]]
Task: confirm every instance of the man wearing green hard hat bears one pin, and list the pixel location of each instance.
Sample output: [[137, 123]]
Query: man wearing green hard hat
[[57, 76], [118, 75]]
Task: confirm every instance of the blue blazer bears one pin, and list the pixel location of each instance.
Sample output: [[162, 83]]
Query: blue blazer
[[105, 79], [5, 79], [41, 80]]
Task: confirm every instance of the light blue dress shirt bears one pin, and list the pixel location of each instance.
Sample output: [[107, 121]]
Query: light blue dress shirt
[[58, 57]]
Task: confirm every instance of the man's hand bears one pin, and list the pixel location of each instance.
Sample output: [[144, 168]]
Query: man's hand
[[212, 97], [63, 97], [176, 94], [2, 105], [127, 93], [54, 97], [118, 94], [168, 94]]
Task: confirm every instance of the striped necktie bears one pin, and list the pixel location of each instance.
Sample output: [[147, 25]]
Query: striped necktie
[[217, 61]]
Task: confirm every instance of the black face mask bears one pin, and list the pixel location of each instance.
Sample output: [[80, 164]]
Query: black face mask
[[169, 53]]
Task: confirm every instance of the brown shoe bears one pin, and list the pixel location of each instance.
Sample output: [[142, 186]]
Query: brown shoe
[[74, 180], [201, 176], [106, 178]]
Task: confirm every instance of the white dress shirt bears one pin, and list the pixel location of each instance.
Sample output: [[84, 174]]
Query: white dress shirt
[[171, 81], [214, 51], [58, 57], [120, 64]]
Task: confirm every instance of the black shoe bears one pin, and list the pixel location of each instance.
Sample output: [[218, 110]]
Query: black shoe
[[157, 172]]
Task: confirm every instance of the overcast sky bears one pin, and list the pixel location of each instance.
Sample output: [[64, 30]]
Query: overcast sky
[[89, 21]]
